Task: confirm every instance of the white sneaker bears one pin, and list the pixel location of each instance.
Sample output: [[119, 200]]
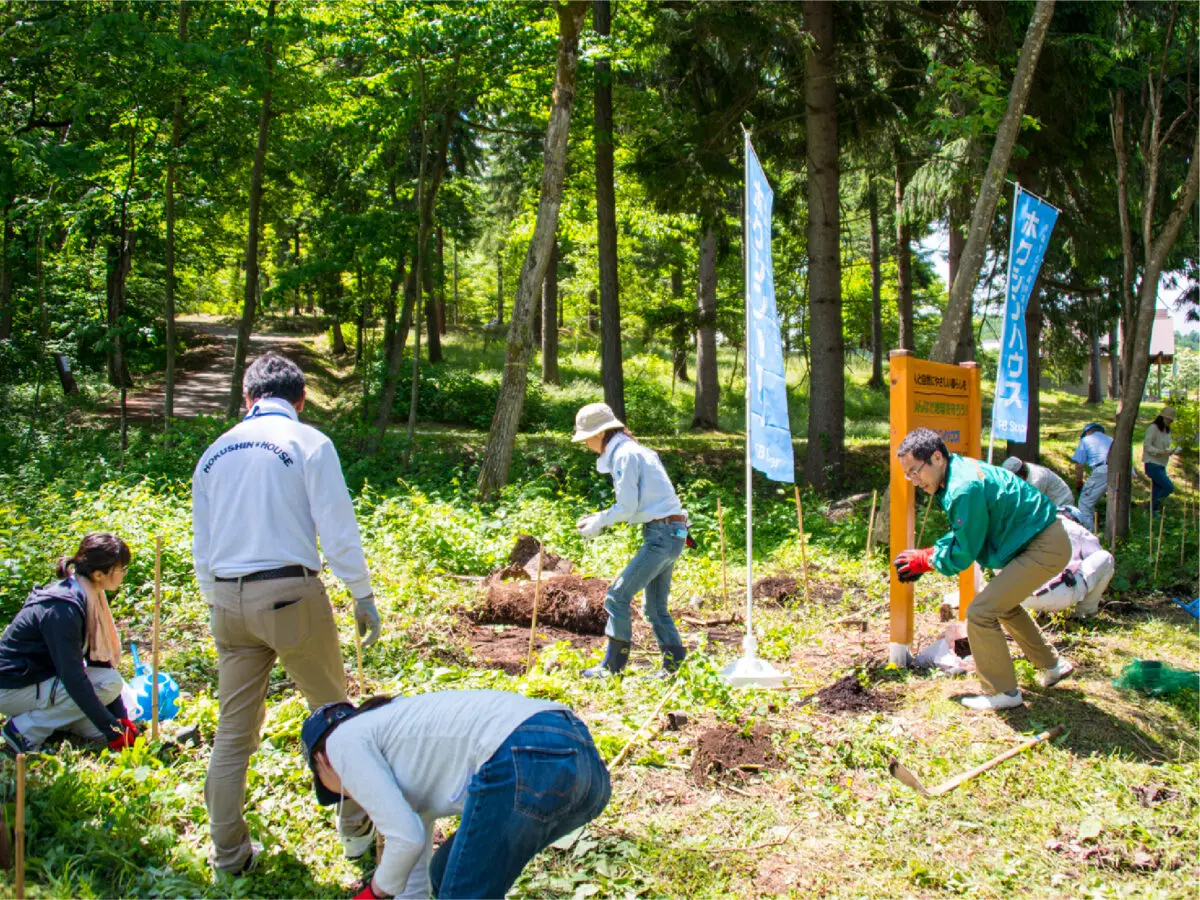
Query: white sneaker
[[994, 701], [356, 845], [1056, 673]]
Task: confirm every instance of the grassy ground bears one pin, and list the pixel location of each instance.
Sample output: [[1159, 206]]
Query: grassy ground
[[824, 817]]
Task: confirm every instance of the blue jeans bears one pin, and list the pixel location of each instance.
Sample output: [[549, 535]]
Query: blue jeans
[[1163, 488], [649, 570], [545, 781]]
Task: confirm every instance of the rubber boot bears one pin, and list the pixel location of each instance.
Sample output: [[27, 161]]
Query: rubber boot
[[672, 658], [616, 657]]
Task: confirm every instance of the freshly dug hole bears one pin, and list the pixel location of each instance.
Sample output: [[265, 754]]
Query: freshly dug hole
[[567, 601], [726, 749]]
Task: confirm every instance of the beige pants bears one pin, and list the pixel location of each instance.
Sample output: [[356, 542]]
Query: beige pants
[[999, 603], [253, 624]]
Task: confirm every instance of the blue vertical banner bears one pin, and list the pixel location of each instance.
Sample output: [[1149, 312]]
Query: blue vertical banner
[[770, 430], [1032, 222]]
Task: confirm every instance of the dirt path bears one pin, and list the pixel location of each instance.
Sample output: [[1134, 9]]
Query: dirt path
[[202, 373]]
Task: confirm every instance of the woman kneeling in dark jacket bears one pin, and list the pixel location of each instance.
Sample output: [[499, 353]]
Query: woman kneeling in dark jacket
[[58, 657]]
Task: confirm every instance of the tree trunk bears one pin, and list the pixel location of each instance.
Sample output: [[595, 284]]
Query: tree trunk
[[1031, 449], [876, 292], [1114, 364], [432, 326], [119, 260], [611, 372], [455, 318], [6, 280], [708, 389], [497, 458], [339, 339], [679, 331], [826, 418], [958, 242], [1155, 252], [1095, 388], [169, 312], [250, 298], [500, 286], [945, 348], [904, 295], [550, 318]]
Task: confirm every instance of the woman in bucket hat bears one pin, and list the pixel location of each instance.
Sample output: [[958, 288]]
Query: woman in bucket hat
[[1156, 453], [521, 773], [644, 496]]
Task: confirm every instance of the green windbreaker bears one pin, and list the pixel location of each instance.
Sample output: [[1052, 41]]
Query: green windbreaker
[[993, 514]]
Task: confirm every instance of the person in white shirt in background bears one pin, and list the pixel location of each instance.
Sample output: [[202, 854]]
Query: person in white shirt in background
[[1157, 450], [644, 496], [521, 772], [1082, 583], [1043, 479], [1092, 453], [261, 495]]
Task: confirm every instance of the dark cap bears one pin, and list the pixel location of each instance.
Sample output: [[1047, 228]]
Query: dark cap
[[316, 726]]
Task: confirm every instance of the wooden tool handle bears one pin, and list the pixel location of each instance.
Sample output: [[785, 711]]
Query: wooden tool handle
[[996, 760]]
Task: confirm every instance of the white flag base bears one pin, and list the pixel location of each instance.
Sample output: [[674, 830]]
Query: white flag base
[[899, 655], [750, 671]]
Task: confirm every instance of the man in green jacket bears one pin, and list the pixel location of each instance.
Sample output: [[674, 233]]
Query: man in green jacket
[[1003, 523]]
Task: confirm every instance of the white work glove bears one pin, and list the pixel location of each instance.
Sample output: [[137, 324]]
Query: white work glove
[[589, 526], [366, 617]]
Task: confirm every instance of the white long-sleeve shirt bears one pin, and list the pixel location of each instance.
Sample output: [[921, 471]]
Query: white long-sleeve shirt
[[262, 493], [641, 484], [411, 762], [1156, 446]]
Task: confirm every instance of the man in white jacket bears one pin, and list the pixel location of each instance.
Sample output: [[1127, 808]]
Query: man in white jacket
[[261, 495]]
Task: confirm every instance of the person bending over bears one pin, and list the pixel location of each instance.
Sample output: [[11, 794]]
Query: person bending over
[[59, 655], [1081, 584], [644, 496], [999, 521], [1043, 479], [520, 772]]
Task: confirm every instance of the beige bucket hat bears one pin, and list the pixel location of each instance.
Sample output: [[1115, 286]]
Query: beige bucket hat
[[593, 419], [1168, 413]]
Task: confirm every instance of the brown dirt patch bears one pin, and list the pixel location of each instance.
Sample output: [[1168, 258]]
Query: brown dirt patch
[[507, 647], [726, 750], [1149, 795], [785, 589], [848, 695], [567, 601]]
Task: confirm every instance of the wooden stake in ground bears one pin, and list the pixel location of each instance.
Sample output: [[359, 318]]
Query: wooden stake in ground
[[871, 524], [154, 639], [724, 569], [1162, 520], [924, 519], [362, 684], [1150, 525], [637, 734], [19, 831], [803, 548], [537, 596]]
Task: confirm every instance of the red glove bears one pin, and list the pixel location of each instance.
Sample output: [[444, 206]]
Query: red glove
[[128, 735], [912, 564], [368, 892]]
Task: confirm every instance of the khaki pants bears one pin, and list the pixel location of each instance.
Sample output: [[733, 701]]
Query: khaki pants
[[41, 709], [999, 603], [253, 623]]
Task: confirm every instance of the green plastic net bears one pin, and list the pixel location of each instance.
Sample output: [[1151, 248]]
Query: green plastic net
[[1153, 677]]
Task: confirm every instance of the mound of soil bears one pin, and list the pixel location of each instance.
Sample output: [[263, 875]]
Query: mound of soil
[[848, 695], [523, 563], [777, 588], [568, 601], [725, 750], [1150, 795]]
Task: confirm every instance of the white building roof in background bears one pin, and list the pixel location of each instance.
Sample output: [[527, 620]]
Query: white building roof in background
[[1162, 337]]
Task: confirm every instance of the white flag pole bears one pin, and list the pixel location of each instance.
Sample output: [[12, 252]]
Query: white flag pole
[[1004, 317], [749, 670]]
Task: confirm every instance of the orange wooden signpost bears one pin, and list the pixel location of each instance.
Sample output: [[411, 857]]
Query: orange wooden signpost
[[945, 398]]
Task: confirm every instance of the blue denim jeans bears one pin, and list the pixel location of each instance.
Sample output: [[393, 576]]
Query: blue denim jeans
[[649, 570], [545, 781], [1163, 488]]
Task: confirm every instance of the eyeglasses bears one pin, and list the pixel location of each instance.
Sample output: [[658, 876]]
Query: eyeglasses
[[912, 475]]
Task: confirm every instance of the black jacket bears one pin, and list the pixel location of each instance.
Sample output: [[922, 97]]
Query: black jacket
[[47, 639]]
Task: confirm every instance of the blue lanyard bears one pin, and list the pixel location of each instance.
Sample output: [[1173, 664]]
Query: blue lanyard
[[259, 415]]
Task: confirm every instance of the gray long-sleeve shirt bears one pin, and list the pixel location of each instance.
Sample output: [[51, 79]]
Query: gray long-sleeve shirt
[[411, 762], [1050, 484]]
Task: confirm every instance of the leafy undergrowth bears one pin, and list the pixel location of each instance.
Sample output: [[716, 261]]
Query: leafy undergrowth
[[1108, 809]]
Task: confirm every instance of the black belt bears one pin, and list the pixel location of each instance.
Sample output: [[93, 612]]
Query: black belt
[[271, 574]]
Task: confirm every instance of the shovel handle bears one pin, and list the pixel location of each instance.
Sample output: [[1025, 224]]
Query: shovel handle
[[954, 782]]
